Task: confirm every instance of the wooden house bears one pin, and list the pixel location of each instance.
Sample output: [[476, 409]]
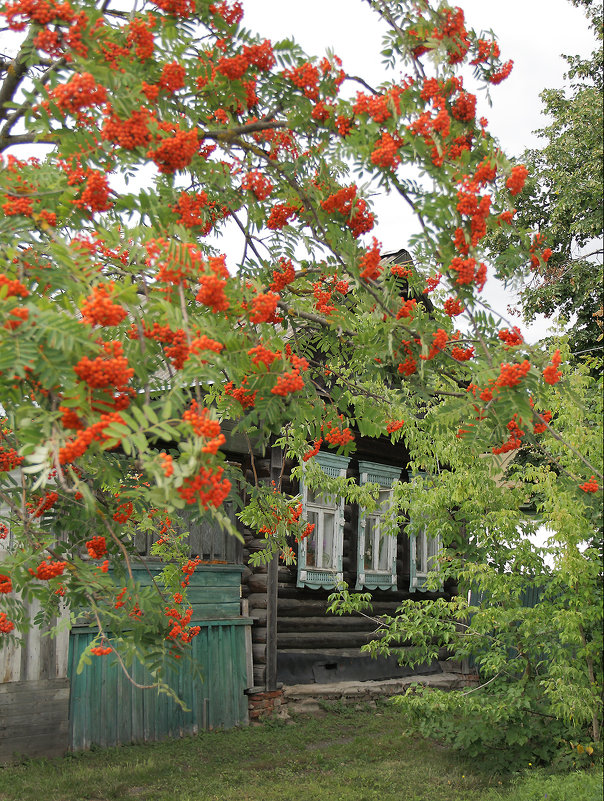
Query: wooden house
[[294, 641]]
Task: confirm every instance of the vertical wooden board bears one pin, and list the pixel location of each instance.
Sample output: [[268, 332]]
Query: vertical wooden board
[[239, 633], [10, 660], [137, 728], [72, 692], [239, 672], [98, 702], [210, 682], [217, 689], [46, 667], [148, 716], [203, 684], [115, 682], [30, 655], [79, 698], [124, 712], [163, 704], [62, 651], [229, 717], [81, 712], [208, 670]]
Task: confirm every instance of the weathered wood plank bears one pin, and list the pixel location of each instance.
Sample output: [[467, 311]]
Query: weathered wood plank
[[34, 718]]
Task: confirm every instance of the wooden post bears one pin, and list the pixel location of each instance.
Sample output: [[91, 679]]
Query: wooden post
[[270, 681]]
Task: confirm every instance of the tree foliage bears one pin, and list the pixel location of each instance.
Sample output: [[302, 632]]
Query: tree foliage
[[566, 203]]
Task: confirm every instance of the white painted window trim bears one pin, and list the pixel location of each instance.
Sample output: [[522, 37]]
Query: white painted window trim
[[314, 577], [385, 476]]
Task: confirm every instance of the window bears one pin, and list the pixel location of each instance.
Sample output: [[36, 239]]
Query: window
[[320, 554], [424, 552], [376, 550]]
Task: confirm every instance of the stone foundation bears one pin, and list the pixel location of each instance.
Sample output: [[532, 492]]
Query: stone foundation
[[262, 704], [306, 699]]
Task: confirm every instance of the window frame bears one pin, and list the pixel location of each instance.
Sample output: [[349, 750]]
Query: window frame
[[418, 578], [311, 576], [374, 578]]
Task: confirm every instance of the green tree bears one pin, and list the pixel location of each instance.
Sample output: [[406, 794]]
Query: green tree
[[566, 204]]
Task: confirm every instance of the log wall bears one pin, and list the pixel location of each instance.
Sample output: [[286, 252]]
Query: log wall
[[313, 646]]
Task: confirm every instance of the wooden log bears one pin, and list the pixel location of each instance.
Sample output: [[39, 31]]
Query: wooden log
[[259, 654], [257, 582], [327, 623], [323, 639]]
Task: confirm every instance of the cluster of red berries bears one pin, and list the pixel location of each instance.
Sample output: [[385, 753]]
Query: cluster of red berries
[[124, 512], [288, 383], [385, 151], [99, 308], [6, 625], [101, 650], [37, 507], [130, 133], [590, 486], [166, 464], [208, 488], [212, 284], [13, 287], [9, 459], [515, 439], [258, 184], [49, 570], [283, 277], [551, 374], [264, 306], [96, 547], [407, 309], [175, 152], [242, 394], [78, 447], [511, 375], [280, 215], [179, 625], [453, 307], [370, 262], [511, 338], [196, 210], [109, 370]]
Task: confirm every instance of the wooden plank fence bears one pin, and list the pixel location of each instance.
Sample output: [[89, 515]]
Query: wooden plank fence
[[46, 708]]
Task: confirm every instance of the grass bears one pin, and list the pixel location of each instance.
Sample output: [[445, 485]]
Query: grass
[[349, 755]]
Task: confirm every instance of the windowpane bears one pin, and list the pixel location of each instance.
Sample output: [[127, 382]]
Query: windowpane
[[420, 550], [369, 536], [432, 553], [311, 540], [384, 545], [320, 500], [384, 500], [328, 532]]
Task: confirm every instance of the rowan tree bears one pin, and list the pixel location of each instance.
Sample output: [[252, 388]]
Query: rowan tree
[[128, 338]]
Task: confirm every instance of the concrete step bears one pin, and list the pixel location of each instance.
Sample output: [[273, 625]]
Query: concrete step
[[306, 698]]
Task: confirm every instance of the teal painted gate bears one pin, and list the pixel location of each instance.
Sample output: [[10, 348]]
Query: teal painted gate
[[107, 709]]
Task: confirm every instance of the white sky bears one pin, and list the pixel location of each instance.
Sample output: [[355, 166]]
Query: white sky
[[534, 33]]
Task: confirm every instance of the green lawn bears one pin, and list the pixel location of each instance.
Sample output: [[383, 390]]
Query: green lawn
[[350, 755]]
